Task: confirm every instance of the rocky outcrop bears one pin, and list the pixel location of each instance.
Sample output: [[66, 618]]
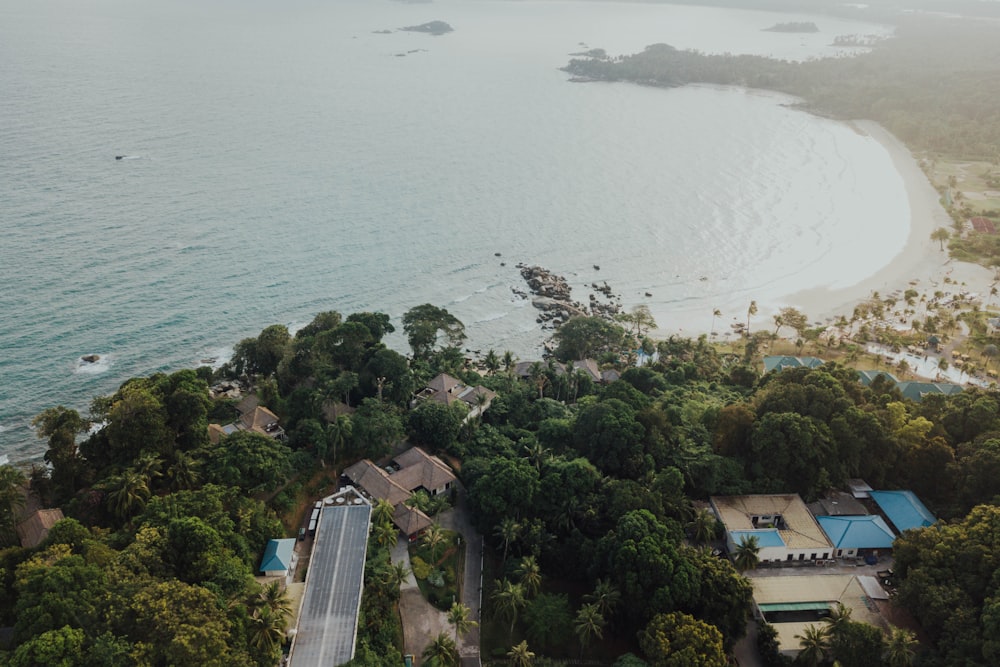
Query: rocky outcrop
[[431, 27]]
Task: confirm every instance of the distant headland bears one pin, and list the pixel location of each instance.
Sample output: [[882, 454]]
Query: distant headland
[[802, 26], [431, 27]]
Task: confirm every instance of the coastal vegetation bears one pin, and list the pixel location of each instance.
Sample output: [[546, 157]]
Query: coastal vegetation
[[586, 493]]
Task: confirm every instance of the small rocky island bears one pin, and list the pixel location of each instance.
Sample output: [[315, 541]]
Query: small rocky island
[[803, 26], [431, 27]]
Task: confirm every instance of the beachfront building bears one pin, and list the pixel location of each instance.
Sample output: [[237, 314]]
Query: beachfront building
[[780, 363], [903, 509], [449, 390], [413, 470], [34, 529], [867, 377], [785, 529], [792, 604], [253, 417], [585, 367], [279, 558], [915, 391]]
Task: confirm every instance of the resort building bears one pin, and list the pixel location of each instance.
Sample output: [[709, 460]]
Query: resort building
[[785, 529], [903, 509], [413, 470], [449, 390], [33, 530], [915, 391], [780, 363], [253, 417], [588, 367], [791, 604]]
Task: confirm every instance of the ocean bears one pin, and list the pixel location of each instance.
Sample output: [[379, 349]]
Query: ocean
[[281, 159]]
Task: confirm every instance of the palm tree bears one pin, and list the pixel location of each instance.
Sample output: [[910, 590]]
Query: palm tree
[[520, 656], [509, 599], [751, 311], [275, 598], [338, 434], [539, 378], [492, 362], [184, 472], [605, 597], [129, 494], [382, 512], [900, 647], [508, 532], [747, 553], [538, 454], [397, 574], [433, 538], [458, 616], [267, 630], [385, 535], [508, 360], [989, 352], [149, 466], [814, 643], [715, 313], [940, 235], [839, 618], [589, 624], [442, 652], [530, 575], [704, 526]]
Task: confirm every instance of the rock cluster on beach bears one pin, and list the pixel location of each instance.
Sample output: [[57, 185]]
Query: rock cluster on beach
[[553, 297]]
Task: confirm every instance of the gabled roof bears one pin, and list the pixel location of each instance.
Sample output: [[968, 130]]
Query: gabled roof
[[410, 520], [216, 433], [915, 391], [259, 419], [418, 469], [248, 403], [867, 377], [33, 530], [588, 366], [376, 482], [278, 555], [904, 509], [444, 382], [781, 363], [857, 532]]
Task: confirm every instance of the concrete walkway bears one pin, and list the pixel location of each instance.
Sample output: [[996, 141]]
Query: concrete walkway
[[422, 622]]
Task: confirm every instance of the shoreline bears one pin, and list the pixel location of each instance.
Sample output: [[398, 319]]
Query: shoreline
[[921, 264]]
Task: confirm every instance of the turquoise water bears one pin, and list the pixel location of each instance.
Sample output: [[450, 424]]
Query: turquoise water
[[284, 159]]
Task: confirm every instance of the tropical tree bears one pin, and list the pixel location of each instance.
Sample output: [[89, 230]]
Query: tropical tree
[[508, 360], [530, 575], [11, 501], [940, 235], [459, 618], [589, 623], [385, 535], [508, 531], [267, 631], [382, 512], [751, 311], [747, 553], [491, 361], [396, 574], [441, 652], [274, 597], [433, 538], [606, 597], [705, 526], [838, 619], [184, 471], [900, 649], [338, 434], [989, 352], [520, 655], [422, 325], [509, 599], [128, 494], [814, 643], [715, 313]]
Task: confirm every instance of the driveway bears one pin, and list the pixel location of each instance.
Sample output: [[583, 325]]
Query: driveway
[[458, 519], [421, 621]]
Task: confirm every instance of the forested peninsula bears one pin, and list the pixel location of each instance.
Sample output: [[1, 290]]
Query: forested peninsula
[[933, 84], [587, 475]]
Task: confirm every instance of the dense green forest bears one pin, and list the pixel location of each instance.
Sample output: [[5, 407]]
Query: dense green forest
[[934, 85], [584, 491]]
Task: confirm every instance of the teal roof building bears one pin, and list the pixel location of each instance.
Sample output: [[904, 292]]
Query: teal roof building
[[915, 391], [857, 532], [278, 557], [867, 377], [903, 509], [777, 363]]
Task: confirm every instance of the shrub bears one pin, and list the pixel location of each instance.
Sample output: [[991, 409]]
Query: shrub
[[420, 568]]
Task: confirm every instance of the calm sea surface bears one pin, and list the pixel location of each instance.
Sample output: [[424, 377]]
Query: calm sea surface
[[284, 158]]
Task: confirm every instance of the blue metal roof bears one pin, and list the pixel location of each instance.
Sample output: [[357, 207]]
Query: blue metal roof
[[857, 532], [277, 555], [904, 509], [765, 538]]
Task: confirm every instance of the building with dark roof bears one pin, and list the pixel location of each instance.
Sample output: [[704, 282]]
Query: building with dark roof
[[33, 530], [780, 363]]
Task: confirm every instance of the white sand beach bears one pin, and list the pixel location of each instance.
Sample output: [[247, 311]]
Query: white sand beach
[[921, 265]]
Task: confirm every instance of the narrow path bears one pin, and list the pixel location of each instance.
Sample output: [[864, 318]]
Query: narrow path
[[421, 621], [458, 519]]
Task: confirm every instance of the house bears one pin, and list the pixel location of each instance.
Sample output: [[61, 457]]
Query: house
[[903, 509], [252, 417], [780, 363], [588, 367], [33, 530], [449, 390], [859, 488], [413, 470], [279, 558], [982, 225], [857, 535], [867, 377], [915, 391], [791, 604], [785, 529]]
